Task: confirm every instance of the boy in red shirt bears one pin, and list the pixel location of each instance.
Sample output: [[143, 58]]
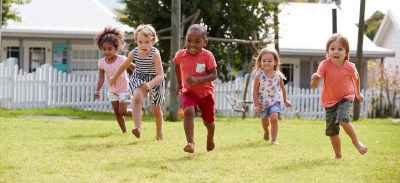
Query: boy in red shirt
[[195, 70]]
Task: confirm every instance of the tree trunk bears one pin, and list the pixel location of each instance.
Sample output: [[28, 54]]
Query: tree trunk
[[356, 107], [175, 45]]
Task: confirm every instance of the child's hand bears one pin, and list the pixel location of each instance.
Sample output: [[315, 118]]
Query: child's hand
[[191, 80], [132, 67], [112, 81], [314, 76], [360, 97], [257, 110], [145, 86], [96, 95], [178, 91], [288, 104]]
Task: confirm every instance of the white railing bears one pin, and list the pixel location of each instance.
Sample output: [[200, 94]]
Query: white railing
[[47, 88]]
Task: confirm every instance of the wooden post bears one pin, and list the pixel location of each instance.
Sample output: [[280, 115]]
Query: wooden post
[[334, 21], [356, 106], [175, 45]]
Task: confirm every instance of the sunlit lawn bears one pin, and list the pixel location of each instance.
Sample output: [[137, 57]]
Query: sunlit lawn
[[76, 150]]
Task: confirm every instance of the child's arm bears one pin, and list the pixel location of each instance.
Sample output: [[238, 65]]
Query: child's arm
[[179, 78], [159, 71], [132, 66], [314, 80], [356, 82], [210, 76], [121, 69], [256, 87], [99, 84], [282, 85]]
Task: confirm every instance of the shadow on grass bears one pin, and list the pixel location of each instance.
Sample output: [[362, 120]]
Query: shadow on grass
[[296, 165], [245, 145], [90, 146], [100, 135]]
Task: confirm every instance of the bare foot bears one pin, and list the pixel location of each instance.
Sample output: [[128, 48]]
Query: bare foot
[[210, 144], [361, 148], [137, 132], [274, 143], [159, 137], [266, 136], [337, 157], [189, 148]]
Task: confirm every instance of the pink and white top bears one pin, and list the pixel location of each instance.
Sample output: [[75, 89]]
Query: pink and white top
[[121, 85]]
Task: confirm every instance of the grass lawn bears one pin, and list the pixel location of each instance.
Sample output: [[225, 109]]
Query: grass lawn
[[92, 149]]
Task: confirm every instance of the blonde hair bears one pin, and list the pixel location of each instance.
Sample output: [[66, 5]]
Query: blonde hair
[[147, 31], [342, 40], [257, 67]]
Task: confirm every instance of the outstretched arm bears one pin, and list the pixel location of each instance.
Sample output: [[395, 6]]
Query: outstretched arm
[[179, 78], [99, 84], [121, 69], [159, 71], [314, 80], [256, 102], [282, 85], [356, 83]]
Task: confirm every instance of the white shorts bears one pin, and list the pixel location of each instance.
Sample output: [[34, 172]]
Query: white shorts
[[121, 97]]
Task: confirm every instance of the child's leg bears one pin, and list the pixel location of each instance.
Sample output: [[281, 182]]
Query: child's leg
[[158, 117], [274, 127], [335, 141], [265, 125], [210, 135], [120, 118], [123, 109], [349, 129], [188, 125], [137, 111]]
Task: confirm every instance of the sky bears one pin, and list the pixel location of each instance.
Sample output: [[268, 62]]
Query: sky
[[111, 4], [352, 8]]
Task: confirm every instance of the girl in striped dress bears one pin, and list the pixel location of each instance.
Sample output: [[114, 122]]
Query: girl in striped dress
[[148, 78]]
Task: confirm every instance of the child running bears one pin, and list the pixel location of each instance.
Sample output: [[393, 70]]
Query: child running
[[148, 78], [269, 92], [341, 83], [109, 41], [195, 71]]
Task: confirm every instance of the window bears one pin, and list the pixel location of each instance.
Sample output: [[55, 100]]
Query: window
[[85, 59], [13, 51], [288, 71], [37, 56]]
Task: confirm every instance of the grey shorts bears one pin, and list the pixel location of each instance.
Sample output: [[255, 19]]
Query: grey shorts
[[340, 112]]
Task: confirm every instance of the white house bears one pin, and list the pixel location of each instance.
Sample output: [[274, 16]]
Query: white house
[[57, 32], [304, 31], [388, 35]]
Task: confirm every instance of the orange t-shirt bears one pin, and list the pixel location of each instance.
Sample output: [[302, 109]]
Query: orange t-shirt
[[196, 65], [337, 81]]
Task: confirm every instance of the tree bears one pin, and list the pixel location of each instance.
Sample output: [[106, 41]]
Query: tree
[[240, 19], [7, 13], [372, 24]]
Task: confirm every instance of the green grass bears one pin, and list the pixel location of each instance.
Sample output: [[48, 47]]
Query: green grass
[[77, 150]]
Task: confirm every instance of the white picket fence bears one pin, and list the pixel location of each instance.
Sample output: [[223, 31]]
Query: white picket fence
[[48, 88]]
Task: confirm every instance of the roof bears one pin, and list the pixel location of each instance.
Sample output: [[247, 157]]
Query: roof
[[61, 19], [392, 18], [306, 27]]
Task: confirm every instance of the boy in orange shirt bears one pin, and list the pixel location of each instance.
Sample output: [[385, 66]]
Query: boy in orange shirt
[[341, 82], [195, 71]]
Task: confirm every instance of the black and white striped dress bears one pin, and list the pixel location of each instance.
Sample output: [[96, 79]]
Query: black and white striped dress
[[145, 72]]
